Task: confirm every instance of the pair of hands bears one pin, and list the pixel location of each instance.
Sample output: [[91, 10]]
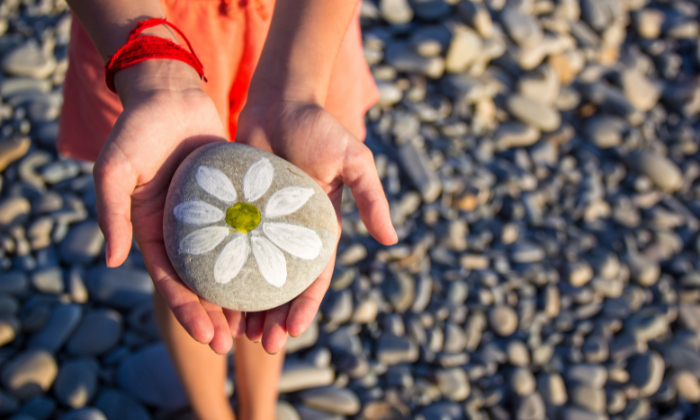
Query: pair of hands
[[166, 116]]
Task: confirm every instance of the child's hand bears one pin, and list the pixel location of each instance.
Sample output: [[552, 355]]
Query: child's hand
[[309, 137], [166, 116]]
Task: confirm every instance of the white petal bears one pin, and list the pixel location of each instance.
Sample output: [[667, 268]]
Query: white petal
[[203, 240], [257, 179], [231, 259], [216, 183], [197, 212], [297, 240], [270, 261], [287, 201]]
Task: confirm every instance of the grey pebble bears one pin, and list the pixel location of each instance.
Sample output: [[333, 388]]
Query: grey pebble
[[29, 374], [64, 320], [76, 382], [331, 399], [119, 287], [98, 331]]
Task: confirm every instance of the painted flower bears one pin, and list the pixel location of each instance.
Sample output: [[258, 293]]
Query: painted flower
[[247, 227]]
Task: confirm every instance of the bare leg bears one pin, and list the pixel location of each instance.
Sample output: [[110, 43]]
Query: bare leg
[[202, 372], [257, 378]]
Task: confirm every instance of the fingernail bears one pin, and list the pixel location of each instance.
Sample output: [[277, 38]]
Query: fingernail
[[107, 253]]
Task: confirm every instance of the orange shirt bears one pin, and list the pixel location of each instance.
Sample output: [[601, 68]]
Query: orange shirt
[[228, 37]]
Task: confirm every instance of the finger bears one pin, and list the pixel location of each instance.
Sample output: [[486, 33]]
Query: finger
[[254, 323], [222, 341], [275, 330], [360, 174], [236, 322], [115, 180], [186, 307], [304, 307]]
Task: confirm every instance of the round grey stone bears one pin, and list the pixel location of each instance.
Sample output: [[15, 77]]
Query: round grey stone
[[29, 374], [76, 382], [268, 263], [98, 332]]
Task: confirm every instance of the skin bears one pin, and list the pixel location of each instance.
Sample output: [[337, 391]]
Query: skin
[[167, 115]]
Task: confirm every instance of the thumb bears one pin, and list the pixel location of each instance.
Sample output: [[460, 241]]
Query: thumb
[[360, 174], [115, 181]]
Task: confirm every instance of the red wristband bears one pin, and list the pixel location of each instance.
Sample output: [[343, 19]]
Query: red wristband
[[145, 47]]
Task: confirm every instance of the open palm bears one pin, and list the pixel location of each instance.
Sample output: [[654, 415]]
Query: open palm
[[156, 131], [310, 138]]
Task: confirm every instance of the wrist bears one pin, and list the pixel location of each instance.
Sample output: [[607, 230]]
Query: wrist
[[155, 76]]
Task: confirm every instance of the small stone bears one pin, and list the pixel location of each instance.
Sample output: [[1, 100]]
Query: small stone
[[514, 134], [76, 382], [14, 210], [14, 282], [591, 399], [9, 327], [541, 85], [417, 165], [149, 376], [49, 280], [648, 23], [606, 130], [332, 400], [580, 273], [591, 375], [551, 387], [662, 171], [526, 252], [39, 408], [392, 350], [688, 386], [647, 372], [396, 11], [381, 410], [616, 401], [300, 376], [453, 383], [307, 339], [518, 354], [29, 374], [64, 319], [464, 49], [308, 413], [12, 149], [15, 86], [96, 334], [87, 413], [534, 113], [366, 311], [524, 29], [29, 60], [220, 244], [399, 291], [83, 243], [476, 15], [117, 405], [286, 411], [430, 41], [503, 320], [119, 287], [575, 413], [639, 90], [400, 56], [531, 407], [522, 382], [389, 94]]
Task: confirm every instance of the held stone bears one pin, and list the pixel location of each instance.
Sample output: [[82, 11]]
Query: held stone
[[245, 229]]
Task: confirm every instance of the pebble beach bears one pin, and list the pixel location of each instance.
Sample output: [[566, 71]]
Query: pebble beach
[[541, 162]]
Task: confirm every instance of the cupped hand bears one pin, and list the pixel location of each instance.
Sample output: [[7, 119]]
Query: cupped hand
[[311, 138], [166, 116]]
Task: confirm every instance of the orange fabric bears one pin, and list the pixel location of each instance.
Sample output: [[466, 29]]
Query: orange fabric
[[228, 37]]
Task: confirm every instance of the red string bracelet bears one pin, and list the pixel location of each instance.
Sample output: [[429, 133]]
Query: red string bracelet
[[145, 47]]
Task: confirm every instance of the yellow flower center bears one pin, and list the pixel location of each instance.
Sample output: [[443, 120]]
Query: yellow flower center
[[243, 217]]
